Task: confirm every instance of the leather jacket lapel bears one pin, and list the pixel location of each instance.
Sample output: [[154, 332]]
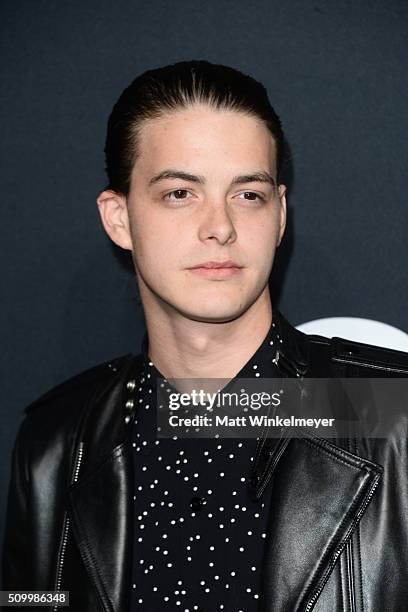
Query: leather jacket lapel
[[319, 493], [100, 502], [100, 511]]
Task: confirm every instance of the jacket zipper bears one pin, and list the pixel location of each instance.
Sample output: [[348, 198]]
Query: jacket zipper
[[350, 575], [65, 530], [339, 549]]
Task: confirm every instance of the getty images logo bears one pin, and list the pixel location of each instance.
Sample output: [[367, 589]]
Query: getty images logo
[[359, 330]]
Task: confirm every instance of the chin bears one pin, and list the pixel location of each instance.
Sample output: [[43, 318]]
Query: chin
[[213, 313]]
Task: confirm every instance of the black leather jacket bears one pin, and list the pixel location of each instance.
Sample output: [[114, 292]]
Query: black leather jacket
[[338, 522]]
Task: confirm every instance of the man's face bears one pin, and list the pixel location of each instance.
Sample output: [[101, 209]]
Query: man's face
[[203, 189]]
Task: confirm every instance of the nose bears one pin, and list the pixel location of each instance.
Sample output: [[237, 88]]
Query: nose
[[217, 224]]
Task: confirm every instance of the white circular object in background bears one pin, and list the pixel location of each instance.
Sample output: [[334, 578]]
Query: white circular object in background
[[359, 330]]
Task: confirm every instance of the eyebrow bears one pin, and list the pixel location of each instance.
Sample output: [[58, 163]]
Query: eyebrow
[[256, 177]]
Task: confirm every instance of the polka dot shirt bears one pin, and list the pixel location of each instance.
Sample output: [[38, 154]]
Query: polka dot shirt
[[198, 536]]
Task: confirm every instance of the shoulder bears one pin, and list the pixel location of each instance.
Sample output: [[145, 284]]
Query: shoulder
[[51, 421], [82, 385], [370, 359], [316, 355]]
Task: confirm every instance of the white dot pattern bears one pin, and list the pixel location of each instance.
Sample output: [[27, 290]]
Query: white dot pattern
[[199, 537]]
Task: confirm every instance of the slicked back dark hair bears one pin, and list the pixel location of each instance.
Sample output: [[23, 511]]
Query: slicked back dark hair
[[174, 87]]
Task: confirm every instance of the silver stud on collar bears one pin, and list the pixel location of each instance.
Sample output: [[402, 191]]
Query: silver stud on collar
[[130, 403]]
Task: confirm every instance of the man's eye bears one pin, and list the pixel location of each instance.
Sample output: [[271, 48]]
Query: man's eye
[[251, 196], [177, 194]]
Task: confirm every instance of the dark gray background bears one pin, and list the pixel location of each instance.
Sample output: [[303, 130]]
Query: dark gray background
[[336, 72]]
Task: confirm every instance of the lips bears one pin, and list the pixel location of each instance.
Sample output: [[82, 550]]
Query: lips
[[209, 265], [217, 270]]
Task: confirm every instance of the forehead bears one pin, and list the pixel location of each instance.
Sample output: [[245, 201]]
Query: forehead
[[205, 139]]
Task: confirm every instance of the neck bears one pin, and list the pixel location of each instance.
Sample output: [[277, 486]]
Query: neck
[[181, 347]]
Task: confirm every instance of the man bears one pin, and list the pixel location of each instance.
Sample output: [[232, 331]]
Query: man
[[99, 504]]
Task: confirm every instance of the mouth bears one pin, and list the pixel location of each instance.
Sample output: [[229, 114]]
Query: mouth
[[217, 269]]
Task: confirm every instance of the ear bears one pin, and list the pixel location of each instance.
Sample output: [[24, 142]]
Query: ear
[[283, 211], [115, 219]]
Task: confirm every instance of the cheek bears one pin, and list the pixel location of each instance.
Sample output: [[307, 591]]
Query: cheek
[[259, 240], [155, 242]]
